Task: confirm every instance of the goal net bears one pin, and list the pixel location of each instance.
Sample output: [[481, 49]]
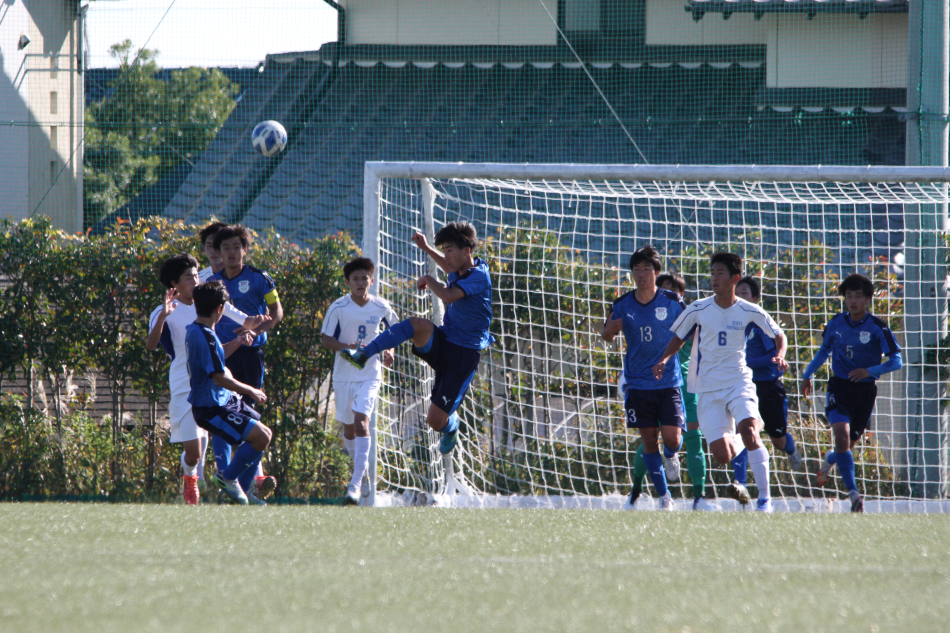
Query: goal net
[[543, 422]]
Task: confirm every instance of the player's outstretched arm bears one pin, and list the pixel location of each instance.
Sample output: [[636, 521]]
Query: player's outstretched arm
[[671, 349], [243, 338], [611, 328], [224, 379], [334, 345], [447, 295], [155, 334], [781, 346], [419, 239]]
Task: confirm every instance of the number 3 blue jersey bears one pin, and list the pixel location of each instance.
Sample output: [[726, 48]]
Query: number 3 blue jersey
[[646, 330]]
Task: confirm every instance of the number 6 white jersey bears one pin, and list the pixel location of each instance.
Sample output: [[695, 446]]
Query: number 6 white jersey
[[718, 357], [347, 322]]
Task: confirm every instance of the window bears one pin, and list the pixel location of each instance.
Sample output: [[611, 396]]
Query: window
[[53, 66], [53, 103], [53, 137]]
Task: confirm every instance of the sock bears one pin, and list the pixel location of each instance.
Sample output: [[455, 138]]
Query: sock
[[452, 425], [639, 469], [244, 458], [670, 452], [190, 471], [655, 467], [388, 339], [831, 457], [696, 461], [759, 463], [222, 453], [740, 464], [360, 459], [348, 445], [789, 444], [246, 479], [846, 466], [260, 470], [201, 460]]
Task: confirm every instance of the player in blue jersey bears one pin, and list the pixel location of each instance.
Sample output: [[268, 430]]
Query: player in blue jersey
[[855, 340], [454, 349], [214, 404], [654, 407], [767, 378], [253, 292]]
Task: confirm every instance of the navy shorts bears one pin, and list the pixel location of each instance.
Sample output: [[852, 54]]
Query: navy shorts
[[851, 402], [232, 422], [247, 366], [773, 406], [454, 367], [650, 408]]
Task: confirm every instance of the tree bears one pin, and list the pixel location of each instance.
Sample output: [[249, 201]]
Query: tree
[[148, 126]]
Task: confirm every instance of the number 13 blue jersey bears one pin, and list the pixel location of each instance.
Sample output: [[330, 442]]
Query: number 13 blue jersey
[[646, 330]]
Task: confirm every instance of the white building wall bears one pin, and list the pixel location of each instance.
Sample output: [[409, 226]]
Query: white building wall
[[668, 24], [14, 113], [450, 22]]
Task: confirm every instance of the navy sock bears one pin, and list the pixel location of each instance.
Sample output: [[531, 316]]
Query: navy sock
[[670, 452], [657, 474], [452, 425], [846, 466], [222, 452], [789, 444], [244, 457], [388, 339], [246, 479], [740, 465]]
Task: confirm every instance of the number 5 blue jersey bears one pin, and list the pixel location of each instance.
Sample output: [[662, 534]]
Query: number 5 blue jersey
[[646, 330], [856, 345]]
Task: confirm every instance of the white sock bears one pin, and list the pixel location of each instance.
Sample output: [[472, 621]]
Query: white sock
[[201, 460], [348, 445], [360, 457], [190, 471], [260, 470], [759, 464]]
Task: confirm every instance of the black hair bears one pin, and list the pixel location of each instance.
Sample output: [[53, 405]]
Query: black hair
[[360, 263], [674, 279], [232, 230], [753, 285], [209, 296], [460, 234], [174, 267], [857, 282], [210, 231], [646, 254], [731, 261]]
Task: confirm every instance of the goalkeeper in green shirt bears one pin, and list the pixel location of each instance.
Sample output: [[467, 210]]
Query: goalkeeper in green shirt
[[693, 439]]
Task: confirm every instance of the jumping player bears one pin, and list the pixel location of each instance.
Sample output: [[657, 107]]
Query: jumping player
[[654, 407], [214, 404], [773, 402], [254, 292], [454, 349], [855, 340], [351, 319], [719, 374], [167, 328], [207, 246]]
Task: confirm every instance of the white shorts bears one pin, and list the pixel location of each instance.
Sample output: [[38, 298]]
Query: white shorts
[[719, 410], [355, 396], [182, 421]]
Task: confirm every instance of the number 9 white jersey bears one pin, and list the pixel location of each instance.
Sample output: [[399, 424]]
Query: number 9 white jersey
[[347, 322], [718, 357]]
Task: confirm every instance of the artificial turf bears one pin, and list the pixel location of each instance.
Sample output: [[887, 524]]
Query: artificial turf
[[171, 568]]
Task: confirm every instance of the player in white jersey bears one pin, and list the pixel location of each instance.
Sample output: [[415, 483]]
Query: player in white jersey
[[719, 374], [349, 321], [167, 328]]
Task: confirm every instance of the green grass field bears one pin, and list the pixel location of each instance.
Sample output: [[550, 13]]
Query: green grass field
[[100, 568]]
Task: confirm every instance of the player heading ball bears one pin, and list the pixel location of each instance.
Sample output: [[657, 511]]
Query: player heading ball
[[454, 349]]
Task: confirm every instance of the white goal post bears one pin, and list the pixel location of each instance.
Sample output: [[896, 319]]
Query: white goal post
[[543, 424]]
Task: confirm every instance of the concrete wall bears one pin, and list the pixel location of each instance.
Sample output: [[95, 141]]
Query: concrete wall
[[669, 24], [41, 107], [450, 22]]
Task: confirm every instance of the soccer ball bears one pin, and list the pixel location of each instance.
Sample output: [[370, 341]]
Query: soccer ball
[[269, 138]]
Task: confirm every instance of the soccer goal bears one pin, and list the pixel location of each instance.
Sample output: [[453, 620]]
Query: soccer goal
[[543, 424]]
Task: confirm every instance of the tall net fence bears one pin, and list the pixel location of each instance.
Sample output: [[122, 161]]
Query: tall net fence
[[544, 416]]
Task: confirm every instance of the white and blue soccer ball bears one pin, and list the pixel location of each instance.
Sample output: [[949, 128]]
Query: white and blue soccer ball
[[269, 138]]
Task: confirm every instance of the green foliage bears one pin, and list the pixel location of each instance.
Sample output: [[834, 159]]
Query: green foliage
[[147, 127], [78, 304]]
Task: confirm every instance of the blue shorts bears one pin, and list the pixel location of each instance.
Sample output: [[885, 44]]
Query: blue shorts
[[773, 406], [650, 408], [232, 422], [247, 366], [454, 366], [851, 402]]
